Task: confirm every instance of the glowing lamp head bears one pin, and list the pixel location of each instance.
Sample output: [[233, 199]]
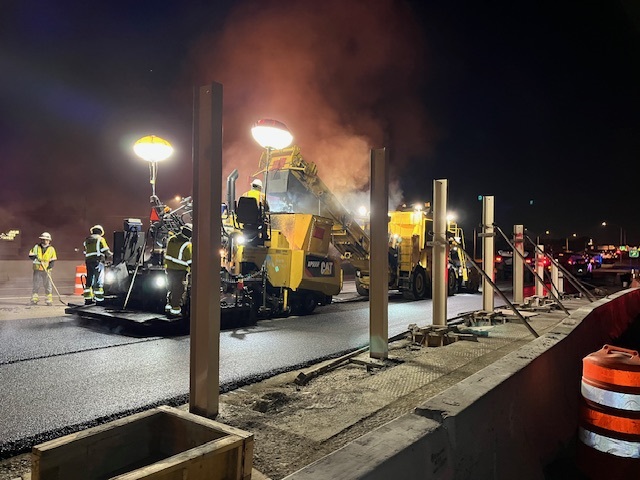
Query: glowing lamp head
[[271, 134], [152, 148], [160, 281]]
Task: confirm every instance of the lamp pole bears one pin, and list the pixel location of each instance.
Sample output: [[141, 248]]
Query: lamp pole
[[623, 240]]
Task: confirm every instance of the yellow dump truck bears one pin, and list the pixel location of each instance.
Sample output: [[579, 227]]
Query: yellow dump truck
[[294, 185]]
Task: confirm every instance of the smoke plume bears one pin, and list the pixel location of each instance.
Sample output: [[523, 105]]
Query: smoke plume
[[345, 77]]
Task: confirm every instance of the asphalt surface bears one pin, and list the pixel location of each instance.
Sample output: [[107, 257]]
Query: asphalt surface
[[60, 374]]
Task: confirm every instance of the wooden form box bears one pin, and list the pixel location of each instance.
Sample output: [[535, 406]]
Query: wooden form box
[[163, 443]]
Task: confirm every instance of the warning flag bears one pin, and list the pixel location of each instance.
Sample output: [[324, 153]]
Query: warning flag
[[153, 216]]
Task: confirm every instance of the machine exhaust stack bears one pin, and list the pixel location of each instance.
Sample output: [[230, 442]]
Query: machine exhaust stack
[[231, 190]]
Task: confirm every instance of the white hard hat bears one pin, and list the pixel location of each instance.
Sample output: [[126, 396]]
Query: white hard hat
[[97, 229], [257, 183], [45, 236]]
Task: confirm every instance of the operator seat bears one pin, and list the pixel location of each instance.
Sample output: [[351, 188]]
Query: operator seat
[[251, 216]]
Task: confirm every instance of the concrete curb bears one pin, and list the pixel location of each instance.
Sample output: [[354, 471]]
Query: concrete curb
[[508, 420]]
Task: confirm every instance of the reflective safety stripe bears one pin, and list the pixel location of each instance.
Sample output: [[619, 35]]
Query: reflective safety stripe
[[93, 254], [178, 261], [180, 254], [607, 398], [612, 446]]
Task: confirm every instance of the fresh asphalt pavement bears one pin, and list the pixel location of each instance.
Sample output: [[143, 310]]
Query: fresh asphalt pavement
[[59, 374]]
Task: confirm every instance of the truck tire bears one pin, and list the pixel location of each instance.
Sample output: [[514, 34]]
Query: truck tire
[[360, 289], [473, 284], [419, 284], [452, 282], [307, 303]]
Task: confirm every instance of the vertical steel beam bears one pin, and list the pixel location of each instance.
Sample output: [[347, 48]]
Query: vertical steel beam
[[560, 284], [555, 278], [379, 258], [204, 378], [540, 260], [488, 253], [439, 271], [518, 265]]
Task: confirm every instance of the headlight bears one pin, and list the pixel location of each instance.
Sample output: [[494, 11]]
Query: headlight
[[109, 277], [240, 239], [160, 281]]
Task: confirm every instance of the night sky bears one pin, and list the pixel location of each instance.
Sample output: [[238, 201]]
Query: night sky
[[536, 103]]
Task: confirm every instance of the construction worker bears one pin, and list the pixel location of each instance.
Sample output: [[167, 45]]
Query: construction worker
[[256, 192], [43, 255], [96, 252], [178, 264]]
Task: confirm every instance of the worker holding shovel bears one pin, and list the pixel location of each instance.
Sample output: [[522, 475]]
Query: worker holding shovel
[[43, 255]]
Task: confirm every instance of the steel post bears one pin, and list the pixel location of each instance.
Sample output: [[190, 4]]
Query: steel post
[[518, 265], [204, 379], [488, 253], [379, 258], [439, 269], [555, 278], [540, 256]]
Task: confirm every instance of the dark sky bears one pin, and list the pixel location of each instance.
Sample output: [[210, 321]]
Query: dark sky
[[536, 103]]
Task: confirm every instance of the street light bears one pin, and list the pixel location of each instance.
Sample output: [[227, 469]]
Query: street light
[[270, 134], [622, 239], [153, 150]]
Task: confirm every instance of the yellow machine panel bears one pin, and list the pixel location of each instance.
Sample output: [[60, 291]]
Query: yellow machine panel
[[314, 272], [304, 231]]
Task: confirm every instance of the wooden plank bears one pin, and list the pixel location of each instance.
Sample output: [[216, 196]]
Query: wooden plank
[[161, 443], [210, 461]]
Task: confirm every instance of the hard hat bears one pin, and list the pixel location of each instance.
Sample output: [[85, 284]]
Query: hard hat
[[257, 183], [186, 229], [97, 229], [45, 236]]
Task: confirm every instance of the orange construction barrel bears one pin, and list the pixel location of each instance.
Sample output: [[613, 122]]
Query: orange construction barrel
[[81, 270], [609, 427]]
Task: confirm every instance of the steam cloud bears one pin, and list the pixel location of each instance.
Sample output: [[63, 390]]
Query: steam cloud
[[343, 76]]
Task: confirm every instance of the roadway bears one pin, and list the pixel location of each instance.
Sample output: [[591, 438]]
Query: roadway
[[60, 374]]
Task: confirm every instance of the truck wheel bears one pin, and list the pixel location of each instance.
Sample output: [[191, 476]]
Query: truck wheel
[[307, 303], [452, 282], [360, 289], [473, 285], [419, 283]]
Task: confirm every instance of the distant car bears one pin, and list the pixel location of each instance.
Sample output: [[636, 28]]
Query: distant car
[[577, 263], [596, 259], [504, 264]]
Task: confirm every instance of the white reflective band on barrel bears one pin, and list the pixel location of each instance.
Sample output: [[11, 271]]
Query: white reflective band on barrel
[[612, 446], [622, 401]]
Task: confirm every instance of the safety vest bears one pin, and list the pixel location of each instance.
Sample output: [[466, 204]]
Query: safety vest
[[95, 248], [43, 256], [259, 196], [179, 253]]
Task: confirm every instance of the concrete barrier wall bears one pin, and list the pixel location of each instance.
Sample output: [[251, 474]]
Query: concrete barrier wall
[[507, 421], [64, 273]]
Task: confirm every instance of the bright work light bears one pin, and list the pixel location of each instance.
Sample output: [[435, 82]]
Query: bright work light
[[152, 148], [271, 134]]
